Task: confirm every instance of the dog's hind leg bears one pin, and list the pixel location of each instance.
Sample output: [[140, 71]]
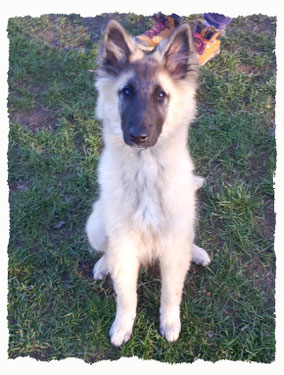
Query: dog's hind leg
[[97, 238], [199, 256], [198, 182], [95, 228], [100, 269]]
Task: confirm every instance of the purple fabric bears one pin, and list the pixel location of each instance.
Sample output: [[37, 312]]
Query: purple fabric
[[217, 20]]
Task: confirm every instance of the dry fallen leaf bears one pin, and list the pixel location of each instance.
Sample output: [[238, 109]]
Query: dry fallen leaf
[[210, 334], [208, 294], [21, 185], [59, 224]]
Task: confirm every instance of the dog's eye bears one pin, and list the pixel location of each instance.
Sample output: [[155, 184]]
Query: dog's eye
[[161, 95], [126, 91]]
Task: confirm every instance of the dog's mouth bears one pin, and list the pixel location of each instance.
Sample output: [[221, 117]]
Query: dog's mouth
[[140, 146]]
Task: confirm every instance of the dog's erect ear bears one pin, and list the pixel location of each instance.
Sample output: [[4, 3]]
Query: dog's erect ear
[[179, 54], [116, 49]]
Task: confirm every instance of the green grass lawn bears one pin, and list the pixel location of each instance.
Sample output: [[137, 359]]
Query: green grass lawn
[[56, 310]]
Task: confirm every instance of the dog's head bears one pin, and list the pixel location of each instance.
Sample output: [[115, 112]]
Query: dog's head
[[144, 95]]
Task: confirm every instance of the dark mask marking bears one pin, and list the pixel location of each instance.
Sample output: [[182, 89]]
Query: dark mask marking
[[143, 105]]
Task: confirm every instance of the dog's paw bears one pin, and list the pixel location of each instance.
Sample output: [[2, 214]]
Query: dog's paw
[[200, 256], [170, 330], [120, 331], [100, 269], [198, 181]]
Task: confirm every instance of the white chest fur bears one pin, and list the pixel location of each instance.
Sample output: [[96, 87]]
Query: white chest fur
[[146, 188]]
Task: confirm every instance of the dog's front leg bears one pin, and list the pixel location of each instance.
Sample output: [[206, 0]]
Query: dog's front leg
[[174, 265], [123, 265]]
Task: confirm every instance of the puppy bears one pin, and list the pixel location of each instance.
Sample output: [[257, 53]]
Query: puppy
[[146, 207]]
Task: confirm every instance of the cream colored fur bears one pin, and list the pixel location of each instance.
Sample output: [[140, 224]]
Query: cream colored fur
[[146, 208]]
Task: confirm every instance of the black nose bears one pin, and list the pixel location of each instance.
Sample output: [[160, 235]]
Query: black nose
[[138, 136]]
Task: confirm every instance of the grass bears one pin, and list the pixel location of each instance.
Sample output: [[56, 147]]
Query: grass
[[55, 308]]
